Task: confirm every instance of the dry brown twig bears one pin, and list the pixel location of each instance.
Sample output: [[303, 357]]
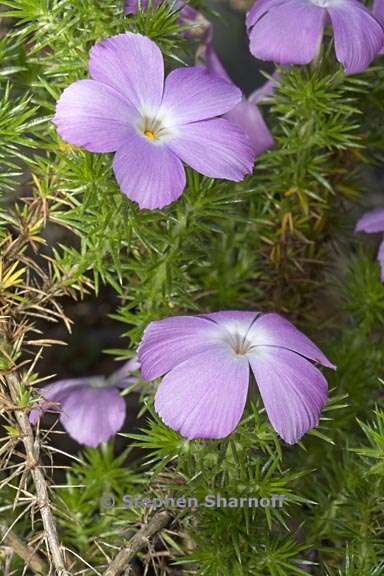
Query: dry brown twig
[[30, 557], [121, 562], [33, 464]]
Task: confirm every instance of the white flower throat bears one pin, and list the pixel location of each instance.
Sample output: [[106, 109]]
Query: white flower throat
[[154, 126], [239, 344], [325, 3], [237, 339]]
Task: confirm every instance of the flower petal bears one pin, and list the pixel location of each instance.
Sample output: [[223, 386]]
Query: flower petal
[[35, 415], [293, 391], [259, 9], [93, 415], [358, 35], [288, 33], [239, 321], [169, 342], [265, 90], [213, 62], [378, 12], [57, 392], [123, 376], [245, 114], [133, 65], [378, 9], [215, 148], [380, 258], [248, 117], [204, 397], [197, 26], [193, 94], [133, 6], [148, 173], [94, 116], [371, 222], [275, 331]]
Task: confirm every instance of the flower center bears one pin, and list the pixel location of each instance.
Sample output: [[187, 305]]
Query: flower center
[[239, 344], [150, 134], [155, 125]]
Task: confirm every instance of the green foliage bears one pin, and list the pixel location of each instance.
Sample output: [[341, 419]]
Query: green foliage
[[17, 121], [375, 436], [281, 240], [89, 500], [363, 277]]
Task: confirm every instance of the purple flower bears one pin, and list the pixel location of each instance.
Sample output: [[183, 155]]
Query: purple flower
[[290, 31], [206, 360], [246, 114], [152, 125], [373, 222], [197, 25], [91, 409]]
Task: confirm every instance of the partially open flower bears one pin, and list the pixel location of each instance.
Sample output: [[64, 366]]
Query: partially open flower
[[291, 31], [206, 361], [91, 409]]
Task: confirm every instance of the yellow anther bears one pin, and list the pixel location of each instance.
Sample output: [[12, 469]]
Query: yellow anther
[[149, 134]]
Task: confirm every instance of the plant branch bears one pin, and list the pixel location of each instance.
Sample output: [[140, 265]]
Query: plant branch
[[30, 557], [120, 563], [33, 463]]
